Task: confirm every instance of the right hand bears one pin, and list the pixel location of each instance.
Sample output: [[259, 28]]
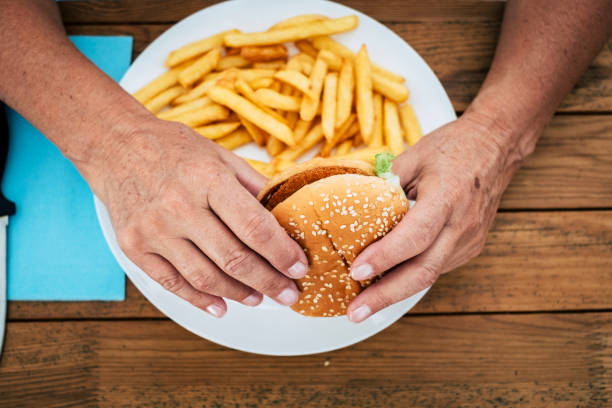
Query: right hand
[[184, 211]]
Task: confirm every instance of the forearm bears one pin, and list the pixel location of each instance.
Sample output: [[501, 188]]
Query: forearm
[[46, 79], [544, 47]]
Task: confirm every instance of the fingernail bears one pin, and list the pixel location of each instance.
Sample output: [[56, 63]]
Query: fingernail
[[298, 270], [252, 300], [360, 314], [362, 272], [215, 310], [288, 296]]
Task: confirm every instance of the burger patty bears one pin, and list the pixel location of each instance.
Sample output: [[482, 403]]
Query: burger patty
[[284, 190]]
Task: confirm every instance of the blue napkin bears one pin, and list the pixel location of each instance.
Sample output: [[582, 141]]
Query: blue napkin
[[56, 250]]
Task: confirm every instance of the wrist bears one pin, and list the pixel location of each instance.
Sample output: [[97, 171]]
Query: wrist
[[107, 150], [514, 131]]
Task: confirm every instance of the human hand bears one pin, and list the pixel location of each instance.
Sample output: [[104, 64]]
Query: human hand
[[457, 175], [184, 211]]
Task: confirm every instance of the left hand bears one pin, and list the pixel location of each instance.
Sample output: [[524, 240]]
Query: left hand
[[457, 175]]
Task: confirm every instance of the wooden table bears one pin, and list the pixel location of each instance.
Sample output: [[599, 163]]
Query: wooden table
[[528, 323]]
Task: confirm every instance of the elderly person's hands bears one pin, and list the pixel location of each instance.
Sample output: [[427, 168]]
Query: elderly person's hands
[[457, 175], [184, 210]]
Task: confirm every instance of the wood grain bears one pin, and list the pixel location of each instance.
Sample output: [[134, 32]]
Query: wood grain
[[459, 53], [159, 11], [421, 361], [532, 262]]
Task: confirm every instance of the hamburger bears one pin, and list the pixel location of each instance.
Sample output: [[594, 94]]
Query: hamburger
[[334, 208]]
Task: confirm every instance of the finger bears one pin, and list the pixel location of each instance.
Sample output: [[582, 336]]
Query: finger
[[250, 178], [161, 271], [405, 280], [239, 261], [204, 275], [257, 227], [406, 166], [414, 234]]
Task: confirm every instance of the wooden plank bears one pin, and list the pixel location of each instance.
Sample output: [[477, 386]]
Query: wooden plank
[[570, 168], [143, 11], [532, 262], [459, 54], [562, 360]]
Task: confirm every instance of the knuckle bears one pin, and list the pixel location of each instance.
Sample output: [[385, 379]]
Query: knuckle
[[428, 275], [172, 283], [203, 282], [129, 239], [381, 299], [259, 229], [238, 263], [271, 286], [174, 201], [424, 234]]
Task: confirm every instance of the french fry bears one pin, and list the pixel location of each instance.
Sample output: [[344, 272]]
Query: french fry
[[201, 67], [297, 20], [310, 103], [202, 116], [363, 87], [296, 79], [366, 154], [328, 108], [334, 62], [253, 74], [276, 100], [346, 131], [358, 140], [276, 86], [390, 89], [301, 128], [266, 53], [314, 136], [256, 133], [252, 113], [344, 148], [412, 128], [346, 88], [164, 98], [275, 146], [196, 48], [261, 83], [245, 90], [226, 83], [377, 134], [275, 64], [306, 63], [327, 43], [235, 139], [262, 167], [293, 33], [232, 61], [158, 85], [186, 107], [280, 165], [232, 51], [292, 118], [217, 130], [392, 129], [201, 89], [306, 47]]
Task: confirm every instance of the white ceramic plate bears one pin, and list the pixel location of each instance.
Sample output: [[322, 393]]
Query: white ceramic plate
[[272, 329]]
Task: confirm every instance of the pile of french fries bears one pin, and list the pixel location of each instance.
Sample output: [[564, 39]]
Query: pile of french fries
[[236, 88]]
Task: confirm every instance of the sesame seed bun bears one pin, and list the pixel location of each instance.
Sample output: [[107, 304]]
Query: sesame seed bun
[[333, 209]]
